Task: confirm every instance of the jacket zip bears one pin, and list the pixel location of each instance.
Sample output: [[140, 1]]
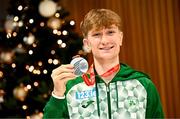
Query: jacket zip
[[109, 101]]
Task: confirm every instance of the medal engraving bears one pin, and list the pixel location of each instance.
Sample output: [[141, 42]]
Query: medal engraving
[[80, 65]]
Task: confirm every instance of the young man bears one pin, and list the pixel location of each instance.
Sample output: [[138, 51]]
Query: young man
[[112, 90]]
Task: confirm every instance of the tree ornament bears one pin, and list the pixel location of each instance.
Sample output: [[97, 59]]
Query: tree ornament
[[47, 8], [1, 95], [9, 25], [54, 23], [29, 40], [6, 56], [20, 92], [19, 49]]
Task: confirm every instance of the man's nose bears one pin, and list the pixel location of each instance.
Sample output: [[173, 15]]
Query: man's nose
[[104, 39]]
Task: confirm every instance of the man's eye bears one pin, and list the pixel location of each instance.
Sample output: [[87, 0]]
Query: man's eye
[[96, 34], [110, 32]]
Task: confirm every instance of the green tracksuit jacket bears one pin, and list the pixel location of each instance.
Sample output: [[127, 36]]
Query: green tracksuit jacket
[[130, 95]]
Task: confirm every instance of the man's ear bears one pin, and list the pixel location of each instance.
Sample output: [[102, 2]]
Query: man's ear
[[85, 42], [86, 45], [121, 38]]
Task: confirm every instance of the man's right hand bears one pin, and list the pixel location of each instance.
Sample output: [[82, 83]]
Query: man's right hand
[[60, 76]]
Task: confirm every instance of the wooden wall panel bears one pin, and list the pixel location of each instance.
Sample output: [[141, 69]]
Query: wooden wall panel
[[151, 40]]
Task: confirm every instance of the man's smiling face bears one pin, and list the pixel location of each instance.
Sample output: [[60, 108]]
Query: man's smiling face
[[105, 42]]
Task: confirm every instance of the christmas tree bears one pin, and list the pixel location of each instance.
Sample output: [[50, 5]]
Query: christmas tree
[[37, 38]]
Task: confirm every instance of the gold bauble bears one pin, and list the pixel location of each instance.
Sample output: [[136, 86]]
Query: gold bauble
[[20, 93], [47, 8], [54, 23]]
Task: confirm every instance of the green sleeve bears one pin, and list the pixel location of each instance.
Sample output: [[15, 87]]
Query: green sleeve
[[154, 107], [56, 108]]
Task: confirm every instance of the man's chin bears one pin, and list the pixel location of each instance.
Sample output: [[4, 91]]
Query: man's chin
[[105, 56]]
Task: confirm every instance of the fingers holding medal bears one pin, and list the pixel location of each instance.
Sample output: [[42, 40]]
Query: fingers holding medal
[[62, 72], [66, 72]]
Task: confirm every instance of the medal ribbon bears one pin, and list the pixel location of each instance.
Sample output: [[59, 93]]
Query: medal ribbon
[[90, 81]]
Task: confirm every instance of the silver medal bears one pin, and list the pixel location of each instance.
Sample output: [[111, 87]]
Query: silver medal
[[80, 65]]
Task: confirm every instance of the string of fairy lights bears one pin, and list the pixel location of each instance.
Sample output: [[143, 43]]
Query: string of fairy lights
[[29, 45], [13, 23]]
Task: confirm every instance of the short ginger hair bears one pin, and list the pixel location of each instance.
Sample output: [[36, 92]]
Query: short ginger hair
[[99, 18]]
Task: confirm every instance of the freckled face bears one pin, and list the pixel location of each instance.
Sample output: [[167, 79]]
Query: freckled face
[[105, 43]]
